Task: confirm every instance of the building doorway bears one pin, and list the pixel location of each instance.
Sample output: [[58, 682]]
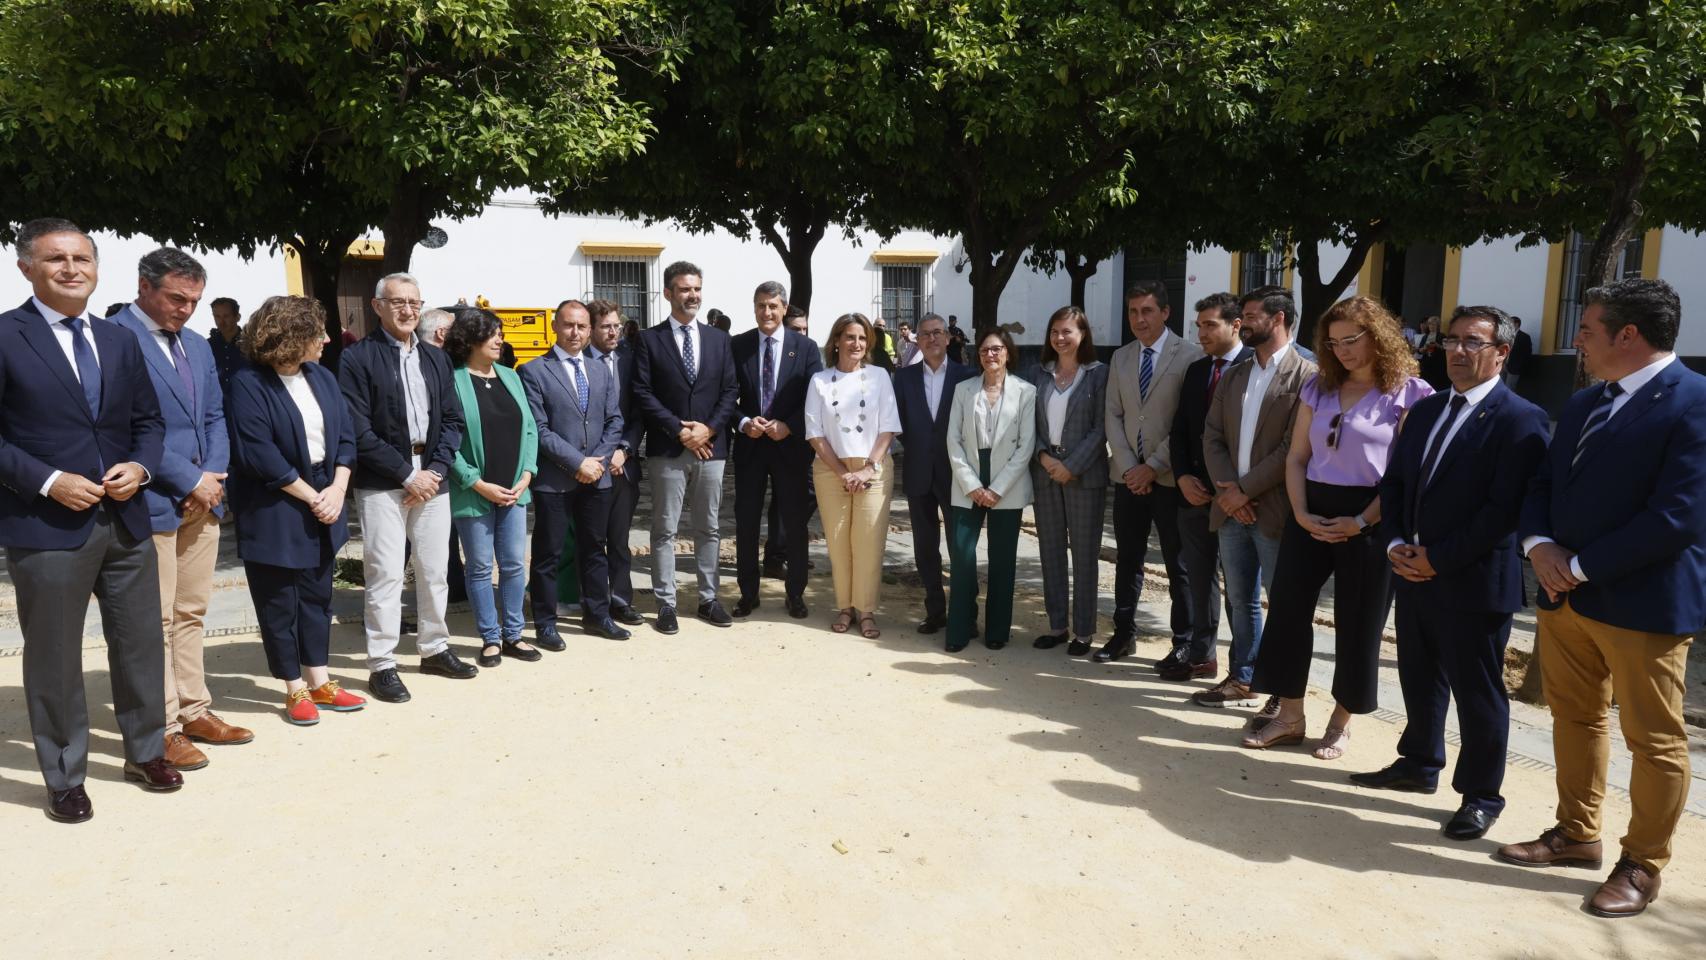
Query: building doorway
[[1412, 282]]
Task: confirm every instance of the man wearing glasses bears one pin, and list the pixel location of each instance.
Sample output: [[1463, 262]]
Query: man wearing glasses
[[924, 394], [408, 425]]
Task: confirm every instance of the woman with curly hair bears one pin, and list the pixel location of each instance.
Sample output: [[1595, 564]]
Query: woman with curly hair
[[1349, 416]]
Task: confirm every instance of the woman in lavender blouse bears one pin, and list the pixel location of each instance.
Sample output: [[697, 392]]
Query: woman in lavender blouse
[[1350, 415]]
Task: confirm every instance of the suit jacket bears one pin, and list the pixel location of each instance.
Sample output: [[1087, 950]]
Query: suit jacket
[[798, 360], [470, 465], [371, 374], [1466, 515], [1223, 431], [269, 451], [633, 424], [1186, 439], [1083, 434], [665, 398], [925, 438], [1009, 455], [567, 434], [1631, 509], [1131, 419], [45, 425], [1521, 352], [196, 438]]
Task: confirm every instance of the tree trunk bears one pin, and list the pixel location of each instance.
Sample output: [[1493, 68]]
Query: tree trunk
[[322, 258], [804, 228], [1080, 268], [1318, 294], [407, 219], [990, 271]]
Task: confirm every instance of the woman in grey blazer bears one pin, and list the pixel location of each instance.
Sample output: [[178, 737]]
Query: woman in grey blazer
[[1070, 474], [991, 435]]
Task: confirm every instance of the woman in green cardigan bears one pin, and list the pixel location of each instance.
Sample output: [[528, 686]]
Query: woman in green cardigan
[[489, 495]]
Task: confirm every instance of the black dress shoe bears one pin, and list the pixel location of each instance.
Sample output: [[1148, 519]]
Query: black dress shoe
[[445, 664], [69, 806], [515, 651], [1078, 648], [1049, 641], [775, 571], [665, 623], [1394, 777], [1192, 670], [1175, 658], [1469, 823], [714, 614], [932, 623], [744, 607], [627, 615], [546, 637], [955, 646], [1115, 649], [386, 685], [605, 628], [157, 775], [995, 643], [797, 608], [490, 659]]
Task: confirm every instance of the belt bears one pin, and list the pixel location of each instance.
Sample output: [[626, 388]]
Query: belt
[[418, 449]]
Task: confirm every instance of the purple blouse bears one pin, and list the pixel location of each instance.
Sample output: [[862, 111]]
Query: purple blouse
[[1365, 432]]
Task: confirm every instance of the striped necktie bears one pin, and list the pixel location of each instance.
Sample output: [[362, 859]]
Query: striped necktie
[[1597, 419], [1145, 374]]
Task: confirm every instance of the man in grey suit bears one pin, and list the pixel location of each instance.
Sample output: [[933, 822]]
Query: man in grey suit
[[1143, 395], [579, 415]]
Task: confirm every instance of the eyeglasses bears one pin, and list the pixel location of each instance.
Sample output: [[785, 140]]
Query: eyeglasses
[[1333, 428], [1332, 344], [398, 303], [922, 334], [994, 351], [1468, 344]]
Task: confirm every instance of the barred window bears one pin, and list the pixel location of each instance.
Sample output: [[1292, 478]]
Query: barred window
[[903, 295], [1263, 268], [626, 283], [1576, 251]]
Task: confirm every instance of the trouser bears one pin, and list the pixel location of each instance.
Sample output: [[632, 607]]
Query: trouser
[[964, 526], [928, 513], [855, 531], [1586, 665], [624, 496], [678, 482], [53, 588], [775, 537], [1133, 516], [294, 608], [186, 558], [1248, 557], [496, 540], [589, 508], [386, 528], [1446, 654], [1199, 553], [1362, 593], [766, 465], [455, 575], [1069, 521]]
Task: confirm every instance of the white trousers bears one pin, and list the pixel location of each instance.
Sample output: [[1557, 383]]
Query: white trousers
[[386, 526]]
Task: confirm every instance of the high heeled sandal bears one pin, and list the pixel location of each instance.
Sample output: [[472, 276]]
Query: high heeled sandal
[[1276, 733]]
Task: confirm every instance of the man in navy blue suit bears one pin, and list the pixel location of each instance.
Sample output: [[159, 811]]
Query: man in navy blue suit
[[924, 393], [187, 498], [773, 365], [80, 434], [1449, 504], [1616, 529], [617, 358]]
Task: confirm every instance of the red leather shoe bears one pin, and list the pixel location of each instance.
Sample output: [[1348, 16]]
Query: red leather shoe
[[333, 697], [299, 708]]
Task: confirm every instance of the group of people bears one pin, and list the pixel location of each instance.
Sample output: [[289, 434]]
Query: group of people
[[1257, 463]]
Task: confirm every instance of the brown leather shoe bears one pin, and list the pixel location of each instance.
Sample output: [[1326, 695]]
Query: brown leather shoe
[[1626, 892], [1552, 849], [210, 728], [182, 754], [156, 775]]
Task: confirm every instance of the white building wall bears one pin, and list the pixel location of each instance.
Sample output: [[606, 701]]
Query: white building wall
[[1500, 274], [1682, 261]]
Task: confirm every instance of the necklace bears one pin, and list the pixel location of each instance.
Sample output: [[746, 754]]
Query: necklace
[[1063, 384], [844, 417]]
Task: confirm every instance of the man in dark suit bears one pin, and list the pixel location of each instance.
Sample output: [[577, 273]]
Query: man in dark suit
[[684, 386], [80, 434], [1449, 504], [924, 394], [187, 496], [1616, 529], [775, 542], [773, 365], [227, 340], [617, 359], [580, 425], [1218, 327], [1522, 351]]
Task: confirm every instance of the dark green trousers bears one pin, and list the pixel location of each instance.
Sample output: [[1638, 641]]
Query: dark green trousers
[[965, 524]]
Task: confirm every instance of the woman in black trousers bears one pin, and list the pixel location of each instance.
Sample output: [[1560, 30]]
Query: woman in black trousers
[[292, 450]]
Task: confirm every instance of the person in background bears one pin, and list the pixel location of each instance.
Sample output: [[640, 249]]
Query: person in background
[[1522, 354], [882, 347], [992, 430], [776, 538], [227, 340], [1070, 477], [434, 326], [630, 330], [850, 420], [617, 359], [924, 396], [908, 345], [1349, 416], [957, 342], [717, 318], [435, 323], [292, 452]]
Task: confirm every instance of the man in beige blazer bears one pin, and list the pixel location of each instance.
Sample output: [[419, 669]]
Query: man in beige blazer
[[1245, 441], [1143, 394]]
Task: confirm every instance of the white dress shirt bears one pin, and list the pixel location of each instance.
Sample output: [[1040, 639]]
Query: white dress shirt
[[563, 357], [933, 381], [1056, 404], [1471, 400], [675, 328], [1254, 390], [161, 338], [62, 336], [851, 409], [775, 340]]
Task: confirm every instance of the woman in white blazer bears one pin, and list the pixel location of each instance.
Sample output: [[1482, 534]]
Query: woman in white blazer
[[992, 429]]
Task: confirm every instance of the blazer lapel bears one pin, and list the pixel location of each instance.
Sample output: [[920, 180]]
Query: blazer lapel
[[554, 370], [1285, 364], [1639, 402], [1469, 434], [46, 346], [158, 362]]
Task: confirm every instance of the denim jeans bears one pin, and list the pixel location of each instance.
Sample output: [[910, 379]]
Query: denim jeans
[[1247, 558], [502, 532]]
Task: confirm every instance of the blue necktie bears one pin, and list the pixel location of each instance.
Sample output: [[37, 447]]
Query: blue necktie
[[687, 354], [766, 390], [182, 362], [1145, 374], [88, 371], [582, 395], [1596, 419]]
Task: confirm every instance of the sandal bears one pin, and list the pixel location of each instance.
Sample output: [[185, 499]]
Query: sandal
[[871, 632], [843, 620], [1332, 745], [1276, 733]]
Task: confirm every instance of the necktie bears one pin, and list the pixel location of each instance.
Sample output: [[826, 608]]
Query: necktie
[[88, 370], [181, 361], [1145, 373], [610, 365], [1596, 419], [1431, 458], [687, 354], [1214, 377], [767, 377], [582, 395]]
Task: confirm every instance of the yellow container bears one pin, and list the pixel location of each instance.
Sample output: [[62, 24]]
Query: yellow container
[[527, 330]]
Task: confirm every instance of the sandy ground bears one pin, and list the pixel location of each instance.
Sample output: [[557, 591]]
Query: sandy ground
[[683, 796]]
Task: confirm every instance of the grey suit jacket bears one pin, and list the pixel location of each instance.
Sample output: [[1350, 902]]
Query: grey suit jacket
[[1223, 431], [1131, 419], [567, 435], [1083, 435]]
